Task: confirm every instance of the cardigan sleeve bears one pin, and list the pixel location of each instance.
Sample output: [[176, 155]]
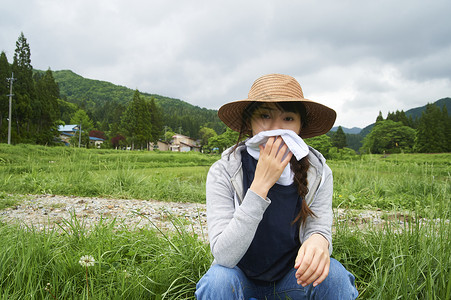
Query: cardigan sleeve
[[322, 208], [230, 230]]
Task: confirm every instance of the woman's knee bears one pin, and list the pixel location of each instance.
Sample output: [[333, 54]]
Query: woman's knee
[[340, 282], [221, 282]]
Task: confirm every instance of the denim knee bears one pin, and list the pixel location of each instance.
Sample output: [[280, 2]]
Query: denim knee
[[221, 283], [339, 284]]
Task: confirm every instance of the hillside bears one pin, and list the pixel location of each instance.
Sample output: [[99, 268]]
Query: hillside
[[415, 113], [177, 114], [353, 130]]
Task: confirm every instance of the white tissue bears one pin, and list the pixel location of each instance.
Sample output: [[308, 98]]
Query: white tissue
[[294, 142]]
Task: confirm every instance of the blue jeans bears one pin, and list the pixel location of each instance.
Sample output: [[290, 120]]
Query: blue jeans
[[226, 283]]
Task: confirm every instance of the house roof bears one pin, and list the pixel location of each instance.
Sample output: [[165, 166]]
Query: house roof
[[186, 144], [68, 128]]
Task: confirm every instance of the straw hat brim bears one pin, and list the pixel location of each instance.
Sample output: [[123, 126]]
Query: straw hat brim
[[320, 118]]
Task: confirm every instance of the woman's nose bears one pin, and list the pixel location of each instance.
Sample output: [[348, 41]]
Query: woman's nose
[[276, 124]]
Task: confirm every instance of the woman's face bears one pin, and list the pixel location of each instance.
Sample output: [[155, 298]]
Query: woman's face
[[269, 117]]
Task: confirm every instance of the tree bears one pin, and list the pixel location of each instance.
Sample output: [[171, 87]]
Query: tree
[[5, 72], [98, 134], [205, 134], [379, 117], [339, 138], [433, 130], [321, 143], [156, 121], [23, 87], [447, 129], [81, 117], [168, 135], [354, 141], [136, 122], [223, 141], [67, 110], [398, 116], [118, 141], [389, 136], [46, 111]]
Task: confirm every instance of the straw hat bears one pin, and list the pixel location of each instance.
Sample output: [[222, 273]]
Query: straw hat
[[280, 88]]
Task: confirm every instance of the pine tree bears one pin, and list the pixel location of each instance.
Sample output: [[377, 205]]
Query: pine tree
[[339, 138], [5, 72], [157, 124], [136, 122], [23, 88], [431, 136], [379, 117], [446, 119], [399, 116], [46, 109]]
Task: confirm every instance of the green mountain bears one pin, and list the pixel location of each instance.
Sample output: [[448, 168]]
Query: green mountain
[[416, 112], [177, 114], [94, 94]]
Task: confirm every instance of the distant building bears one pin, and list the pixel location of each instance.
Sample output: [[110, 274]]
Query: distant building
[[162, 146], [183, 143], [68, 131]]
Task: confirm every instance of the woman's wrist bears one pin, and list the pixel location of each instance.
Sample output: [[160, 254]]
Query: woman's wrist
[[259, 189]]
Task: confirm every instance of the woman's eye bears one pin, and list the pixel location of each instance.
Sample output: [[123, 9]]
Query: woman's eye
[[289, 119], [265, 116]]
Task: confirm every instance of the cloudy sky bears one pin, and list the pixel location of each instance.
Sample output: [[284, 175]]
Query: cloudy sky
[[356, 56]]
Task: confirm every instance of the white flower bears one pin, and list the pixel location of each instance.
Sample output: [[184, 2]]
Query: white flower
[[86, 261]]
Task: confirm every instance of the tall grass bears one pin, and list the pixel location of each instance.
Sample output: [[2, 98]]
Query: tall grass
[[104, 173], [410, 261], [401, 260], [415, 182], [130, 263]]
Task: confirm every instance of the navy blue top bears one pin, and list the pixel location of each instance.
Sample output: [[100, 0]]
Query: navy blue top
[[274, 248]]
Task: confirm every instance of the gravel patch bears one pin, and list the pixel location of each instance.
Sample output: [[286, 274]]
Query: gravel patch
[[44, 211]]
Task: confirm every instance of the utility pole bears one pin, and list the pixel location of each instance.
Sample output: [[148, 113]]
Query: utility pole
[[79, 136], [11, 80]]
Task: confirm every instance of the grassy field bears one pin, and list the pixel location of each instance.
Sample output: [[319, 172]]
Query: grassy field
[[397, 261]]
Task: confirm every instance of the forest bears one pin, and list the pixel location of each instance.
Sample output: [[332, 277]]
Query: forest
[[43, 100]]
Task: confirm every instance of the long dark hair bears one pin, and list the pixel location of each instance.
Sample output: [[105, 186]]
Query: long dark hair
[[299, 168]]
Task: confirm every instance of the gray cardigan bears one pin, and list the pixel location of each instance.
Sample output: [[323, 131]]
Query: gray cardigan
[[233, 215]]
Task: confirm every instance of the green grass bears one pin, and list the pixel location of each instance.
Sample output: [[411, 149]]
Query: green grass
[[410, 261], [396, 261], [166, 176], [414, 182], [130, 263]]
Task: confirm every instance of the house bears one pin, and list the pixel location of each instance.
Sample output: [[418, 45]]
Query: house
[[68, 131], [162, 146], [183, 143]]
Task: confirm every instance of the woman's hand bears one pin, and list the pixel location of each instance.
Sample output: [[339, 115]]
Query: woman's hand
[[313, 261], [270, 165]]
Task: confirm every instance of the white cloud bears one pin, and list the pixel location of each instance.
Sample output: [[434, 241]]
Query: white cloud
[[356, 56]]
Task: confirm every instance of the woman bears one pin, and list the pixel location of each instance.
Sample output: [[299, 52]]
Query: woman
[[269, 202]]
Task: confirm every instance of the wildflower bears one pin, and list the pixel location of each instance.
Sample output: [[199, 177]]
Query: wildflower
[[87, 261]]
